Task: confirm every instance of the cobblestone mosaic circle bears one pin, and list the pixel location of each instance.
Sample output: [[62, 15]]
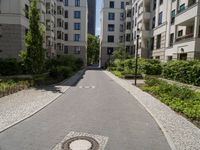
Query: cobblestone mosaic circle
[[67, 145]]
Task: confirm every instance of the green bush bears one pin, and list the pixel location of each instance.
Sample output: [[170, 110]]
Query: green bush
[[180, 99], [151, 67], [9, 66], [60, 72], [182, 71]]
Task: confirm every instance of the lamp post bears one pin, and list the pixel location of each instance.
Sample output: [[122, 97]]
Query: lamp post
[[136, 56]]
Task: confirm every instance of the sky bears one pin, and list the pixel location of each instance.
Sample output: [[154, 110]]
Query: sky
[[98, 16]]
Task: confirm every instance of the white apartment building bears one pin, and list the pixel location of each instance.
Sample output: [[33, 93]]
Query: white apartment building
[[65, 23], [167, 29], [112, 27], [76, 28]]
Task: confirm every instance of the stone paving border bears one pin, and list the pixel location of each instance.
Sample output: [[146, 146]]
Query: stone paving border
[[102, 140], [19, 106], [179, 132]]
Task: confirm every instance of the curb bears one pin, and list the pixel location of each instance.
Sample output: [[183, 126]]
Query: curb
[[73, 80]]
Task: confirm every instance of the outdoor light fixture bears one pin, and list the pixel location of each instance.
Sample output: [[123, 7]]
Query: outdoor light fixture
[[136, 55]]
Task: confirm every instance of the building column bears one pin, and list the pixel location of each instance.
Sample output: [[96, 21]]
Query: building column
[[196, 27]]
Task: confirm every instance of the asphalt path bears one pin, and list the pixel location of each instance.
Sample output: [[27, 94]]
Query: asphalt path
[[95, 105]]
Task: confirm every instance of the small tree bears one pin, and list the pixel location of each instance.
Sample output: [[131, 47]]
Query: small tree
[[93, 49], [35, 56], [120, 53]]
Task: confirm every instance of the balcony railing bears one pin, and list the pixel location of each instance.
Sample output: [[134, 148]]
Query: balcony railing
[[190, 4], [188, 36]]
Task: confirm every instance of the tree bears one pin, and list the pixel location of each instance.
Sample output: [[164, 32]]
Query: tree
[[35, 56], [93, 49], [120, 53]]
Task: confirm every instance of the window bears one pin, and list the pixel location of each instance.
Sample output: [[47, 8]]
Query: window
[[112, 4], [77, 37], [154, 4], [121, 16], [66, 14], [26, 11], [158, 44], [111, 39], [161, 2], [65, 49], [152, 43], [171, 41], [66, 37], [77, 50], [160, 18], [122, 5], [110, 50], [111, 27], [77, 26], [153, 22], [173, 14], [182, 8], [111, 16], [77, 14], [66, 2], [180, 33], [66, 25], [77, 3]]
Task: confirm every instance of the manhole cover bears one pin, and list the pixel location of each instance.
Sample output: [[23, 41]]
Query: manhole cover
[[81, 143]]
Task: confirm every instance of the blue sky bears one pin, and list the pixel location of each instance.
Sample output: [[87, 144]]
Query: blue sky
[[98, 16]]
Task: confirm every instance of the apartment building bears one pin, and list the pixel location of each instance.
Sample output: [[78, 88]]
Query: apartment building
[[112, 28], [76, 28], [65, 23], [167, 30], [91, 16]]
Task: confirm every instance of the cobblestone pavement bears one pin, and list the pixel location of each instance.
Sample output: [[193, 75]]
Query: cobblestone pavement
[[18, 106], [181, 134]]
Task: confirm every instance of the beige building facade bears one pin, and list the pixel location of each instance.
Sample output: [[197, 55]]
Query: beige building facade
[[167, 30], [64, 21]]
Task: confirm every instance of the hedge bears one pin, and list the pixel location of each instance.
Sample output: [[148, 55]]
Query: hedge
[[183, 71]]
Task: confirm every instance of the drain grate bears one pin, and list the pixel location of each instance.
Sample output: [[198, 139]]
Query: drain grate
[[80, 143]]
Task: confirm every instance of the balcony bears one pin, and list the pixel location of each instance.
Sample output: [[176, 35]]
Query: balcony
[[187, 12], [186, 37]]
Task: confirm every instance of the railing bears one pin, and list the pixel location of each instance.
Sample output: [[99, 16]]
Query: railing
[[188, 36], [191, 3]]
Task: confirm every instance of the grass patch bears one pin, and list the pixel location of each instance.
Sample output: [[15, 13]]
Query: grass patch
[[181, 99], [11, 86]]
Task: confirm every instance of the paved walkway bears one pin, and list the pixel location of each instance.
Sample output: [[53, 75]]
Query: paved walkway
[[180, 133], [96, 105], [17, 107]]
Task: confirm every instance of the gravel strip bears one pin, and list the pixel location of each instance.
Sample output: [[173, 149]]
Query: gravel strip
[[21, 105], [180, 133]]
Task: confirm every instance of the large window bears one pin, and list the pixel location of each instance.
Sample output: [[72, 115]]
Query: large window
[[77, 37], [111, 39], [158, 44], [112, 4], [77, 14], [111, 27], [77, 26], [66, 2], [160, 18], [111, 16], [77, 3]]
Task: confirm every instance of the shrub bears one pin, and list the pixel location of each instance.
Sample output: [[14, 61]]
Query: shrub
[[60, 72], [182, 71], [180, 99], [151, 67], [9, 66]]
